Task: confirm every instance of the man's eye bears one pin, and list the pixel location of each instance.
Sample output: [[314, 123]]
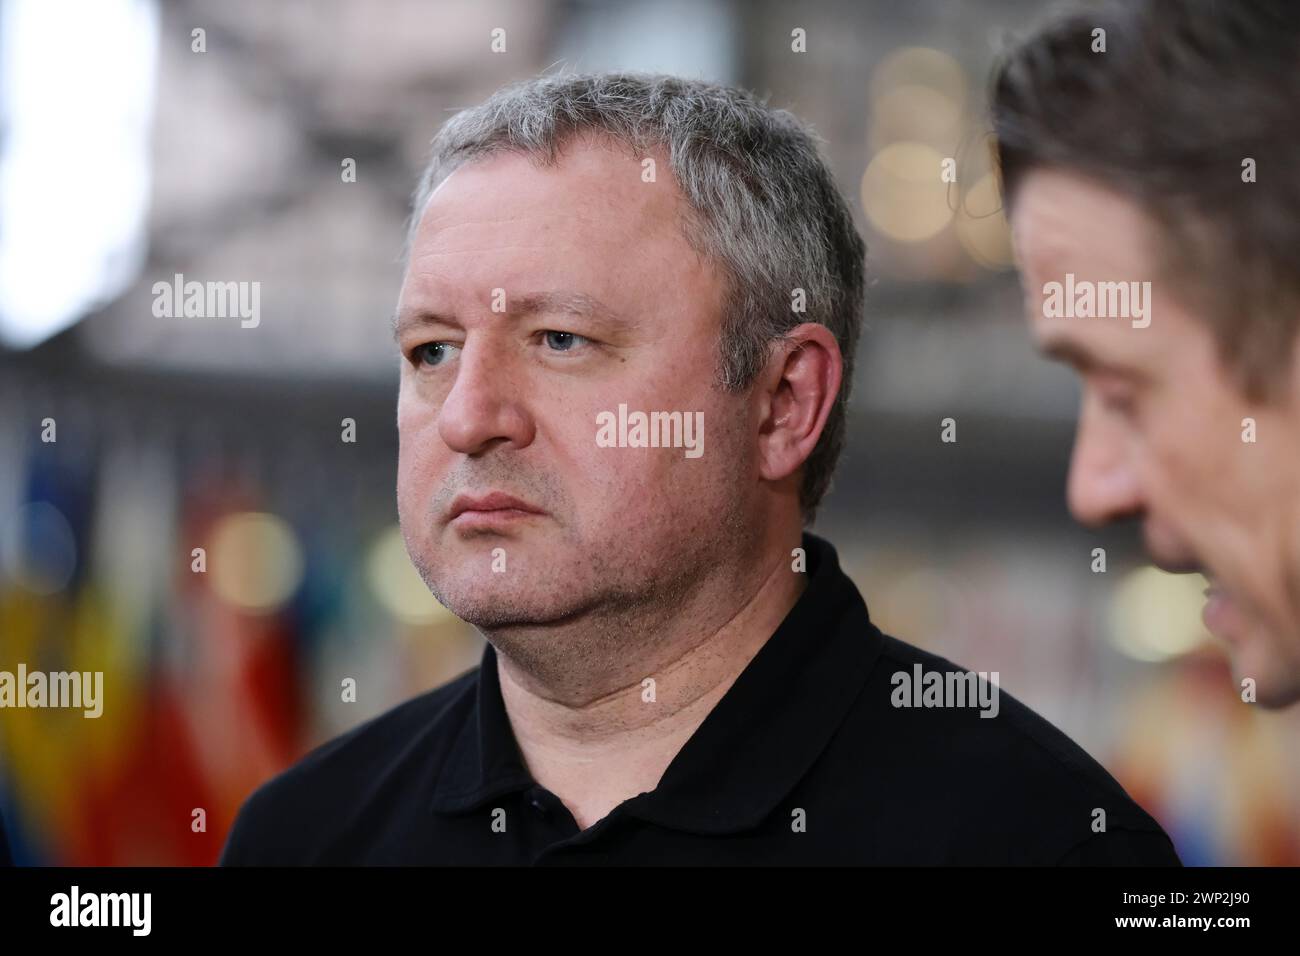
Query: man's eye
[[1118, 402], [564, 341], [432, 353]]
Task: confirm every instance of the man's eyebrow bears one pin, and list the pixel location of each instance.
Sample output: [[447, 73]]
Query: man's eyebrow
[[413, 318], [1069, 351], [564, 303], [1082, 358], [532, 303]]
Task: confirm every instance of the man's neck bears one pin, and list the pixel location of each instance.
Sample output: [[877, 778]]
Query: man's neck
[[594, 750]]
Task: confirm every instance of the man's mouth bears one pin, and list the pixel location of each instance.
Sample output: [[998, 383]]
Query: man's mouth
[[1221, 614], [488, 510]]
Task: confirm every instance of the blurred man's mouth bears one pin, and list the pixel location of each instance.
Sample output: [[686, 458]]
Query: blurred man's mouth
[[487, 511], [1221, 615]]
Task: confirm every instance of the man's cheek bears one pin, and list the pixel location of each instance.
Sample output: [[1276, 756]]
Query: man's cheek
[[416, 417], [1171, 485], [406, 497], [417, 477], [631, 480]]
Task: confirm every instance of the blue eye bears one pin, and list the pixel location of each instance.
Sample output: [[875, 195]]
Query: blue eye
[[563, 341], [431, 353]]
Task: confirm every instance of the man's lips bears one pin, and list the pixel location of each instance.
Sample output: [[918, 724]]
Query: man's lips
[[492, 506], [1221, 616]]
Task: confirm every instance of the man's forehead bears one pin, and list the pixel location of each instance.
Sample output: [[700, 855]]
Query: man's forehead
[[1063, 222], [593, 221], [600, 223], [588, 177], [510, 218]]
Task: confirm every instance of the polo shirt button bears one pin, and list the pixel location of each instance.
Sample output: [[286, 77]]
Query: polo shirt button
[[535, 798]]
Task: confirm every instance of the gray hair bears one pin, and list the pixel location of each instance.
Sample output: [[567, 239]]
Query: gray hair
[[763, 206]]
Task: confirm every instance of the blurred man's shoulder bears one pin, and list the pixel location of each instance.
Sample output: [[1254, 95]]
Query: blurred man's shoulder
[[284, 819]]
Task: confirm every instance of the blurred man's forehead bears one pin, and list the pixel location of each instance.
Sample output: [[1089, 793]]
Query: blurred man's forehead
[[1088, 273], [1063, 220]]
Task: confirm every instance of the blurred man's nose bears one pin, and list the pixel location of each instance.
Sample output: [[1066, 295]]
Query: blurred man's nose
[[484, 404], [1103, 484]]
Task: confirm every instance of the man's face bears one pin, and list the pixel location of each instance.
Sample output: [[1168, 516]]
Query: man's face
[[535, 300], [1160, 433]]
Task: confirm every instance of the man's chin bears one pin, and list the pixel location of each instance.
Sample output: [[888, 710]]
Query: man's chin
[[501, 551], [491, 601], [1271, 683], [1274, 694]]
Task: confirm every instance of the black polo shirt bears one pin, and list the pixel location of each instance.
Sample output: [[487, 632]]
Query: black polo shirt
[[805, 760]]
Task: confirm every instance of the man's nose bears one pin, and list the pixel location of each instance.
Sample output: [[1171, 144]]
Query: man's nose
[[484, 406], [1103, 485]]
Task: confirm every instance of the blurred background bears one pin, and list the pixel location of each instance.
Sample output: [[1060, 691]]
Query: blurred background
[[280, 144]]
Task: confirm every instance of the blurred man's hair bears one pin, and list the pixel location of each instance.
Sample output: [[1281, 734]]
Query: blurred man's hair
[[1185, 92], [763, 206]]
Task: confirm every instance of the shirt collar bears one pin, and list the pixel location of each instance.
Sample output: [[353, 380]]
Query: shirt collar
[[753, 747]]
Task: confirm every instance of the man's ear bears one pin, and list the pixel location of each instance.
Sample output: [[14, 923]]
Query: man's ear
[[797, 390]]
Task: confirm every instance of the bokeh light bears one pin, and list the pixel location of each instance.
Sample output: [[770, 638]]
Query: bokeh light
[[903, 194], [1155, 616], [396, 583], [255, 561]]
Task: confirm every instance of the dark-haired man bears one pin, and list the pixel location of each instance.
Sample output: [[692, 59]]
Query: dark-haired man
[[1155, 146]]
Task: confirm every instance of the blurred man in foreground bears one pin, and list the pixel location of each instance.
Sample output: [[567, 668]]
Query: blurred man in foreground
[[1150, 158]]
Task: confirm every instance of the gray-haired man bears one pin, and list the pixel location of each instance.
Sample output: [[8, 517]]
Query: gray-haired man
[[603, 273]]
